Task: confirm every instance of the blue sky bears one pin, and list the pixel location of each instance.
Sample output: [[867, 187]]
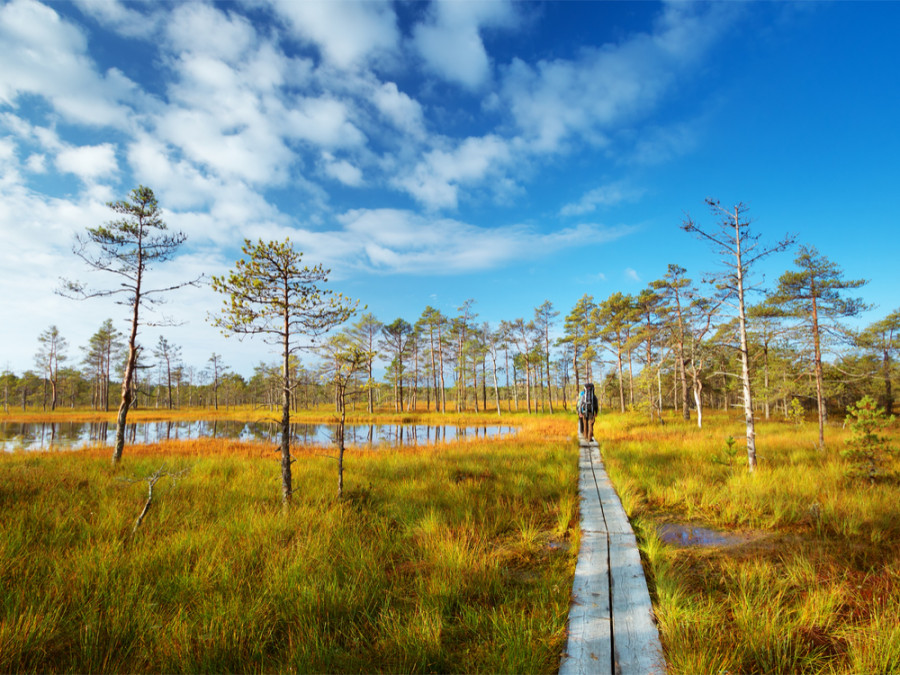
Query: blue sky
[[431, 152]]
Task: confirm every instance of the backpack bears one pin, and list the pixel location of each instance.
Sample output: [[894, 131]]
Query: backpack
[[589, 402]]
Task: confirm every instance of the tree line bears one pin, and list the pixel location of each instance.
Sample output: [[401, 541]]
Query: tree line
[[679, 344]]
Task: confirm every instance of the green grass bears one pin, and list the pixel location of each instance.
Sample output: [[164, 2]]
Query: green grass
[[815, 588], [436, 561]]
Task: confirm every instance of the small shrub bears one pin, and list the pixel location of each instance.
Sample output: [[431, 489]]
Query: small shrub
[[795, 412], [729, 453], [867, 450]]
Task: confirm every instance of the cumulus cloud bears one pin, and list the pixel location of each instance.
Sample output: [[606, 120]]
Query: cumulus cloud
[[450, 42], [346, 31], [123, 19], [342, 170], [435, 181], [89, 162], [203, 29], [404, 112], [324, 122], [45, 55]]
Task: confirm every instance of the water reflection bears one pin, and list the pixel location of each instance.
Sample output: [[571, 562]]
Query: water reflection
[[74, 435], [692, 535]]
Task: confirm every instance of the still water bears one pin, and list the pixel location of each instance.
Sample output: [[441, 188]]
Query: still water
[[74, 435]]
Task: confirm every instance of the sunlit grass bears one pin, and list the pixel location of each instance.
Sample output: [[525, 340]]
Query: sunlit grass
[[814, 588], [438, 559]]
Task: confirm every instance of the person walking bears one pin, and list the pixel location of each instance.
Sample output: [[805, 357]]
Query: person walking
[[587, 410]]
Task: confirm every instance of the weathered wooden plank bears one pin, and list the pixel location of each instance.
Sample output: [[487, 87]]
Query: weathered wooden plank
[[637, 647], [591, 511], [589, 648], [614, 513], [611, 625]]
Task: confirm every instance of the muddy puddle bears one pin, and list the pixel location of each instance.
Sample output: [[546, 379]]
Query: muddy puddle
[[686, 535]]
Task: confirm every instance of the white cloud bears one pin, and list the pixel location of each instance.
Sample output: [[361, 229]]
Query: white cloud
[[124, 20], [342, 170], [558, 100], [346, 31], [400, 241], [435, 181], [36, 163], [631, 274], [450, 43], [324, 122], [88, 162], [605, 195], [203, 29], [404, 112], [47, 56]]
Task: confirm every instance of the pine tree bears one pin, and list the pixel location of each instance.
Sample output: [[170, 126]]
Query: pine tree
[[128, 247], [268, 293], [815, 294]]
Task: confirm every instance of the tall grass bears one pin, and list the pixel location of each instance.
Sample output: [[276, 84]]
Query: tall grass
[[814, 586], [446, 559]]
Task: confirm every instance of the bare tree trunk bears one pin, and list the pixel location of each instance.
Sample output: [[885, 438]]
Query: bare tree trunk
[[621, 382], [630, 380], [820, 397], [886, 374], [508, 393], [286, 487], [441, 359], [766, 378], [415, 392], [515, 386], [341, 444], [698, 389], [496, 387], [475, 383], [433, 367], [745, 354], [528, 387], [127, 378], [549, 381]]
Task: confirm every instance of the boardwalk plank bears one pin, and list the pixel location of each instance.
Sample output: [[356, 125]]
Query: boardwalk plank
[[589, 648], [611, 626], [616, 520], [637, 647]]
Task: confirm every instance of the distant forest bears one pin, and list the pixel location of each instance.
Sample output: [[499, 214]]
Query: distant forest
[[674, 346]]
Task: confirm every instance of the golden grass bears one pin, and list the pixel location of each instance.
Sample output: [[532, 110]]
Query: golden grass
[[438, 559], [815, 586]]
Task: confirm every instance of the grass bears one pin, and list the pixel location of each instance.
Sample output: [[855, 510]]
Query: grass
[[452, 558], [444, 559], [815, 585]]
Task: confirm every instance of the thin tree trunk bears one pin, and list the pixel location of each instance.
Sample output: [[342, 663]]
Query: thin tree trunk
[[341, 444], [441, 359], [286, 487], [886, 374], [820, 398], [621, 381], [745, 354], [127, 378]]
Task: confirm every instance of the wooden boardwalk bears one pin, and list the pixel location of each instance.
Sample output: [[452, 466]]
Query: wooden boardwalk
[[611, 625]]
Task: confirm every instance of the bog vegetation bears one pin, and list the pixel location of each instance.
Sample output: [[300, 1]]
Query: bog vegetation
[[450, 559], [460, 558], [809, 581]]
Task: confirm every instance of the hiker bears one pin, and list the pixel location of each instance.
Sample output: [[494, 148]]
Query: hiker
[[587, 410]]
